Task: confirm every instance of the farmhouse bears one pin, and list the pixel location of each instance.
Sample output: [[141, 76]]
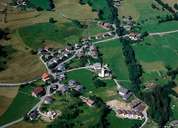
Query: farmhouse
[[134, 36], [105, 25], [38, 92], [62, 88], [48, 100], [124, 93], [45, 77], [33, 115], [88, 101]]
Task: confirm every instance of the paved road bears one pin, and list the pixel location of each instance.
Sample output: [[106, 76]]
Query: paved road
[[101, 41], [162, 33], [12, 123], [146, 119], [18, 84]]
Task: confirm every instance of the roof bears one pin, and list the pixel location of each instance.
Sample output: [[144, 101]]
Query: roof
[[45, 76], [38, 90]]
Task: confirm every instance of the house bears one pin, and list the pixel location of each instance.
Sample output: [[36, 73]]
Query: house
[[48, 100], [53, 87], [78, 88], [51, 115], [88, 101], [45, 77], [124, 93], [72, 83], [134, 36], [97, 66], [21, 2], [105, 72], [62, 88], [33, 115], [38, 92], [105, 25]]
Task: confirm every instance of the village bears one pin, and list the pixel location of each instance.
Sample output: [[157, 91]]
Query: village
[[55, 60]]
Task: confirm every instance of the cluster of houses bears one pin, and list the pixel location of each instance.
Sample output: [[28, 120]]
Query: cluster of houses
[[130, 114], [134, 36], [99, 36], [102, 70], [127, 23], [88, 49]]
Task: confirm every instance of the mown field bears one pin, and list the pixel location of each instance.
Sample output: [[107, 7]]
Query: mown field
[[20, 105], [143, 13]]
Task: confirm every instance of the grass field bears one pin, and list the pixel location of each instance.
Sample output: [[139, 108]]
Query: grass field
[[21, 104]]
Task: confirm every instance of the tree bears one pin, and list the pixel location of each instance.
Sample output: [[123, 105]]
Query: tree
[[51, 20], [176, 6]]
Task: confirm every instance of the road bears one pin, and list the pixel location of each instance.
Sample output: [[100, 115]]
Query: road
[[146, 118], [12, 123], [101, 41], [162, 33], [18, 84]]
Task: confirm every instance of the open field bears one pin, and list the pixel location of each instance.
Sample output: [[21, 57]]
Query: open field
[[21, 104]]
